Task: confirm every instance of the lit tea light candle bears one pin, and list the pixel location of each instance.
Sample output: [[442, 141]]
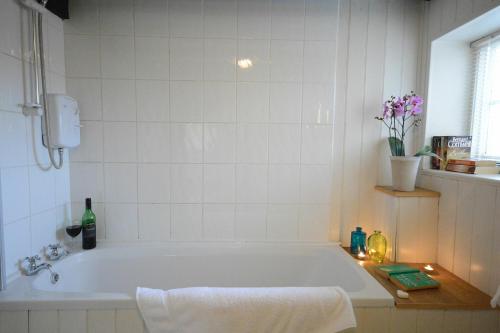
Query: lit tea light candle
[[361, 256], [429, 269]]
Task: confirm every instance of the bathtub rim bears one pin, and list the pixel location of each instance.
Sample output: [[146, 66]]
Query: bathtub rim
[[20, 294]]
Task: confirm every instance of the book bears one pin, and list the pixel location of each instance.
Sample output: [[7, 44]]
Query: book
[[388, 270], [493, 170], [472, 162], [450, 147], [414, 281], [460, 168]]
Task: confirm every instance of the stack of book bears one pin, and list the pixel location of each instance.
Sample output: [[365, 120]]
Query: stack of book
[[478, 167], [450, 147]]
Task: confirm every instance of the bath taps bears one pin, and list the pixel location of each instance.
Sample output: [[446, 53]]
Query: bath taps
[[33, 267], [55, 252]]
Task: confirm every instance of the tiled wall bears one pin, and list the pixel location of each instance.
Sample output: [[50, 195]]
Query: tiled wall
[[469, 228], [181, 143], [369, 320], [469, 215], [35, 202]]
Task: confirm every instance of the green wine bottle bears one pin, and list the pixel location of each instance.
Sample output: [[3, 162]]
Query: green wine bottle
[[88, 226]]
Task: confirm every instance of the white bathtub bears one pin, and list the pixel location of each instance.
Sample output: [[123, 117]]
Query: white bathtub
[[106, 277]]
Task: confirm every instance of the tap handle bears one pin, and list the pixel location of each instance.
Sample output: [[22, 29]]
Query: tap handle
[[54, 246], [33, 259]]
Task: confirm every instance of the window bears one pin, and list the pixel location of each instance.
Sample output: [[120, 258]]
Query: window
[[486, 99]]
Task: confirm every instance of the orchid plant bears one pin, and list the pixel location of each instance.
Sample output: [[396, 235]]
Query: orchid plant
[[400, 115]]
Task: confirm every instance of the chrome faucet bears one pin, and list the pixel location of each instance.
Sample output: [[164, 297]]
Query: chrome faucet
[[55, 252], [33, 267]]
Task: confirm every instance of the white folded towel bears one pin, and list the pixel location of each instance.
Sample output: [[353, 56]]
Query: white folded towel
[[242, 310]]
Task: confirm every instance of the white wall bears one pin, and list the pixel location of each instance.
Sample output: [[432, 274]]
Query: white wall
[[469, 216], [180, 144], [35, 202]]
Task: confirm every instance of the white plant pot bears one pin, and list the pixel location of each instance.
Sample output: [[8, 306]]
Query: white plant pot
[[404, 172]]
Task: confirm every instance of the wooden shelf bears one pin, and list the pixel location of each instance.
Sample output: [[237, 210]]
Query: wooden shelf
[[418, 193], [454, 293]]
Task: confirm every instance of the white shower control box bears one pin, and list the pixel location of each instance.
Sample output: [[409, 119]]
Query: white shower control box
[[64, 117]]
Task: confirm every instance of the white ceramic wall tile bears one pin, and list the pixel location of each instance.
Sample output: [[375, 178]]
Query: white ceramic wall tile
[[121, 222], [258, 52], [220, 59], [253, 102], [151, 17], [313, 221], [186, 221], [284, 143], [186, 58], [220, 18], [91, 143], [463, 230], [187, 183], [282, 222], [151, 58], [154, 183], [186, 101], [286, 60], [284, 184], [129, 321], [250, 222], [55, 49], [120, 142], [457, 321], [117, 57], [321, 19], [84, 17], [43, 230], [14, 321], [13, 141], [285, 102], [17, 244], [42, 189], [482, 236], [288, 19], [430, 321], [187, 143], [82, 56], [219, 102], [116, 17], [120, 183], [11, 84], [101, 321], [118, 100], [218, 183], [10, 35], [81, 187], [315, 184], [317, 103], [153, 142], [252, 143], [43, 321], [219, 143], [154, 222], [403, 320], [254, 19], [88, 94], [218, 221], [15, 193], [316, 144], [185, 18], [319, 61], [153, 100], [73, 321], [251, 183]]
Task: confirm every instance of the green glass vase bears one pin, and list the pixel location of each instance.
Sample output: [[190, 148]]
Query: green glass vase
[[377, 246]]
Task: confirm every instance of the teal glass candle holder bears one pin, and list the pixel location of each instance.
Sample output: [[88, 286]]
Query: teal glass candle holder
[[358, 241]]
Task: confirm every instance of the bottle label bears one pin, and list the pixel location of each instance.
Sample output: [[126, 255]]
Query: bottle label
[[89, 236]]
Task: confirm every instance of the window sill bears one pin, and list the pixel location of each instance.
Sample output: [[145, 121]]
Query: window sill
[[488, 179]]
